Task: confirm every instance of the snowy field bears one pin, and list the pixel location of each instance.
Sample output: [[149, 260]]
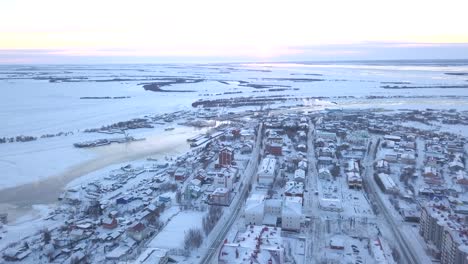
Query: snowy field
[[172, 236], [35, 106]]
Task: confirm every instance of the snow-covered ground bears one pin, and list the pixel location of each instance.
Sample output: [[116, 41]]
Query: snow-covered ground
[[30, 223], [32, 105], [172, 236], [36, 161], [39, 106]]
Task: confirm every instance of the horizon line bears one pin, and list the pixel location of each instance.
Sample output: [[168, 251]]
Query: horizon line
[[244, 62]]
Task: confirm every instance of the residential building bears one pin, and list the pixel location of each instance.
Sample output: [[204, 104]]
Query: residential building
[[294, 189], [226, 157], [324, 173], [220, 196], [274, 148], [254, 209], [181, 174], [386, 183], [445, 231], [325, 135], [299, 175], [354, 180], [359, 138], [153, 256], [267, 172], [138, 231], [258, 244], [109, 223], [291, 213], [408, 158]]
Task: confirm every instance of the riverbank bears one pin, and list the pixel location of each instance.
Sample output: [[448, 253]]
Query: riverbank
[[18, 201]]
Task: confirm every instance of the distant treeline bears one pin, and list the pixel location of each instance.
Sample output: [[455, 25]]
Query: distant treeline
[[457, 73], [424, 87], [22, 138], [105, 97]]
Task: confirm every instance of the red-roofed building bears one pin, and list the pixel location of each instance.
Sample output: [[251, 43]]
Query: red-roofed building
[[275, 149], [226, 157], [137, 231], [109, 223]]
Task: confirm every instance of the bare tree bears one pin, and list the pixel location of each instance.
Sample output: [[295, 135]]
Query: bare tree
[[178, 196], [46, 236], [270, 192], [280, 182], [193, 239], [210, 220]]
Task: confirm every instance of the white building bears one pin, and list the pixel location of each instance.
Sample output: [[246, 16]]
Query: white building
[[291, 214], [293, 188], [153, 256], [258, 244], [267, 172], [386, 183], [325, 135], [408, 158], [299, 175], [354, 179], [254, 209], [324, 173], [224, 178], [259, 210], [302, 164], [272, 211], [330, 204], [352, 166]]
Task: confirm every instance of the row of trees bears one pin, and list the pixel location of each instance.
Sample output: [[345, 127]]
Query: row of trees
[[22, 138], [209, 221], [17, 139]]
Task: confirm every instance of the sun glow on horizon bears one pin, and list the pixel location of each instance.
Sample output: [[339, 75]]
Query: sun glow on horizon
[[259, 29]]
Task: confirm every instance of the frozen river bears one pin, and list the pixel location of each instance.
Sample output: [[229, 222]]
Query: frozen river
[[46, 99], [19, 199]]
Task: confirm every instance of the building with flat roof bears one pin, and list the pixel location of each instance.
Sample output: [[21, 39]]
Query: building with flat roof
[[254, 209], [291, 214], [220, 196], [386, 183], [325, 135], [267, 171], [258, 244], [445, 231], [299, 175], [153, 256]]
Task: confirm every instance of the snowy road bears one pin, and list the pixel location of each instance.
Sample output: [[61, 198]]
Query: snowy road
[[248, 180], [407, 250]]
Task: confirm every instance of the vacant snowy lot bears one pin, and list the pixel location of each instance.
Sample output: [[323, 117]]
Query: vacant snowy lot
[[173, 234]]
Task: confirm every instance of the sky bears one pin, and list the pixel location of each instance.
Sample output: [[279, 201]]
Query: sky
[[80, 31]]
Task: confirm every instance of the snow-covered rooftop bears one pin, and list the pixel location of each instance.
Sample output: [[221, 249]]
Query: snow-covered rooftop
[[259, 244]]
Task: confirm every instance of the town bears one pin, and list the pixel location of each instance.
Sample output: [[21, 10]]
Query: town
[[284, 185]]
